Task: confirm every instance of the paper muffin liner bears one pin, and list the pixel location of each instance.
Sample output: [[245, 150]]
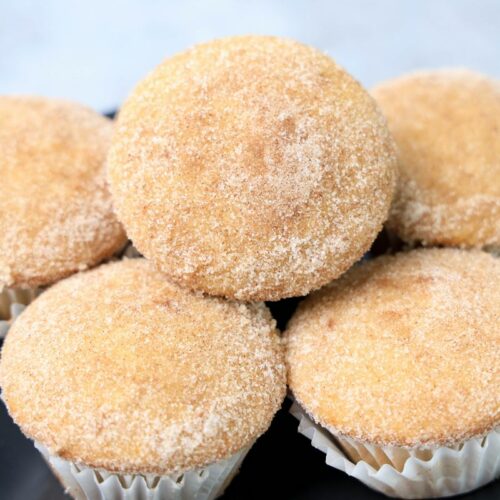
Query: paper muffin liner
[[84, 483], [12, 302], [130, 252], [408, 472]]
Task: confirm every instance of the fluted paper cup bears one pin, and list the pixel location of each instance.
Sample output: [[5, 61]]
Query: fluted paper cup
[[408, 472], [84, 483]]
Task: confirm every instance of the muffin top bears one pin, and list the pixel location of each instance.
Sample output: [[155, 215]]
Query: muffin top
[[55, 208], [117, 369], [251, 167], [447, 127], [403, 350]]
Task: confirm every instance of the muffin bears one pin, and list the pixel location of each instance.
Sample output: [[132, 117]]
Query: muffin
[[135, 384], [251, 167], [55, 209], [395, 369], [447, 127]]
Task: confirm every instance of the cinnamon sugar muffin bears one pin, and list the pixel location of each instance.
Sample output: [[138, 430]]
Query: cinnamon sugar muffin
[[251, 167], [55, 209], [447, 127], [137, 382], [397, 366]]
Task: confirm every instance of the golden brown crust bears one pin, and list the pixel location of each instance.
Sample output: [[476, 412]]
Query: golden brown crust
[[447, 127], [251, 167], [403, 350], [118, 369], [55, 209]]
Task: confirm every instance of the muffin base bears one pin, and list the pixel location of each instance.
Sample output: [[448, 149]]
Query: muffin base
[[408, 472], [84, 483], [12, 302]]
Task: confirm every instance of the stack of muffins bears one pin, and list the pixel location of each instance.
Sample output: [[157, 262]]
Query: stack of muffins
[[252, 169]]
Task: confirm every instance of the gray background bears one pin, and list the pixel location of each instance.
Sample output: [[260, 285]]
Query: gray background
[[95, 50]]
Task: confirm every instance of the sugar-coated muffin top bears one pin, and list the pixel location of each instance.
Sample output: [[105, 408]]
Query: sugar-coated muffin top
[[402, 350], [446, 124], [55, 209], [118, 369], [252, 167]]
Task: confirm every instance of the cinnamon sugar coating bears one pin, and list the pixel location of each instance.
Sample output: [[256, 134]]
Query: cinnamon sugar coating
[[402, 350], [251, 167], [447, 127], [117, 369], [55, 209]]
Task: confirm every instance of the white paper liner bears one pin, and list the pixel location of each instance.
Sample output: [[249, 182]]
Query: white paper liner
[[12, 302], [408, 473], [84, 483], [128, 252], [131, 252]]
